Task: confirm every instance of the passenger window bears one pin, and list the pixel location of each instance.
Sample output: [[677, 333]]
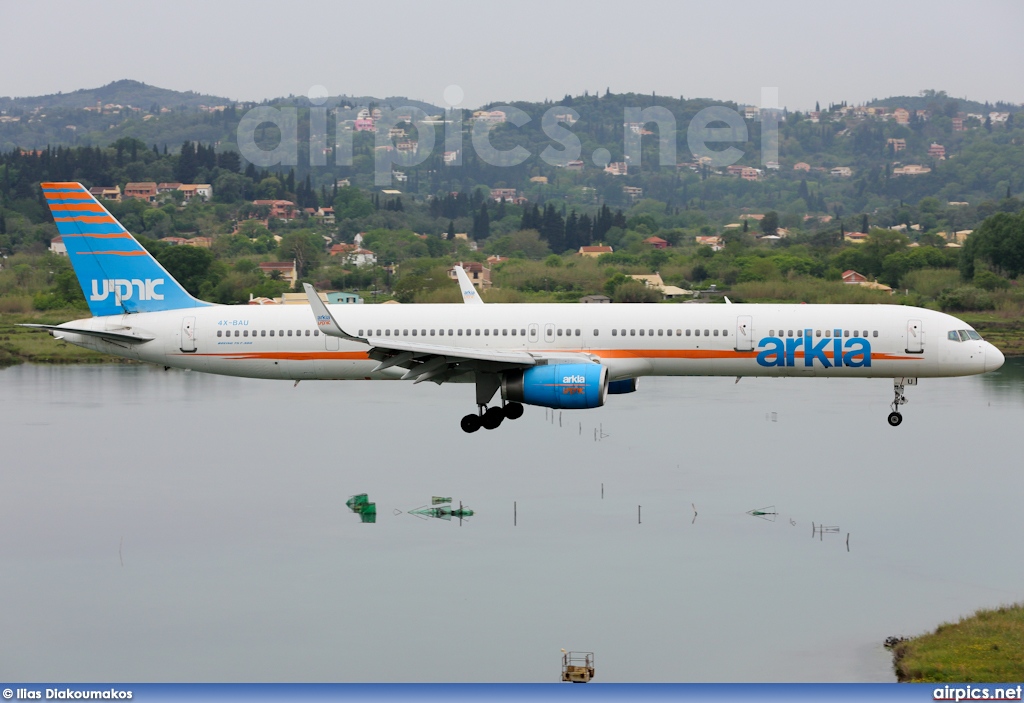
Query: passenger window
[[487, 333], [220, 333], [615, 333], [696, 333], [423, 333], [289, 333], [846, 333], [439, 332], [650, 332], [687, 333], [307, 333], [245, 333], [705, 333], [271, 333], [513, 331], [379, 334], [668, 332], [817, 333], [623, 333], [236, 333], [577, 333], [495, 333], [478, 333], [875, 333], [771, 333], [460, 332], [316, 333], [632, 333], [716, 333], [725, 333], [504, 333], [828, 333], [522, 333], [559, 333], [596, 333], [450, 333], [679, 333], [263, 333], [433, 331], [414, 333]]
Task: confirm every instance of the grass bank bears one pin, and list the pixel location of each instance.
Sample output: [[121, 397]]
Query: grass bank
[[20, 345], [985, 647]]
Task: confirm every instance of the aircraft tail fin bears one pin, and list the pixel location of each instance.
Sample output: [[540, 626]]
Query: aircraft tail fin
[[116, 273]]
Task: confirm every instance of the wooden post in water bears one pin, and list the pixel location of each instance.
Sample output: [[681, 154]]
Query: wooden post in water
[[638, 514], [602, 491], [515, 514]]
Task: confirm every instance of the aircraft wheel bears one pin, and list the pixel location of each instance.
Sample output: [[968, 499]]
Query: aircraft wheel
[[514, 411], [470, 423], [492, 418], [895, 419]]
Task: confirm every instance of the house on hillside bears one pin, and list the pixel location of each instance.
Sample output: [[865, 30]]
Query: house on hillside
[[193, 190], [657, 242], [58, 247], [106, 193], [595, 251], [478, 274], [286, 270], [145, 191], [853, 278]]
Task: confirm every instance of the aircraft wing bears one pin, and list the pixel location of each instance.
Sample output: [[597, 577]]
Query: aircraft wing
[[106, 335], [470, 295], [432, 362]]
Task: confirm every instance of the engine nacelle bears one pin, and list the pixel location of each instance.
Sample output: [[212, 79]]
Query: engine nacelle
[[626, 385], [562, 386]]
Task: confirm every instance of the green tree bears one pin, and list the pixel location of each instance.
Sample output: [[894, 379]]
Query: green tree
[[305, 246], [770, 222], [192, 267]]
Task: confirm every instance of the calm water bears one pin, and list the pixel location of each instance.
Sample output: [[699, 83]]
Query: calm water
[[169, 526]]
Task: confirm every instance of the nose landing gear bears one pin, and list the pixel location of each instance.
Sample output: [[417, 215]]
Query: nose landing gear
[[898, 384]]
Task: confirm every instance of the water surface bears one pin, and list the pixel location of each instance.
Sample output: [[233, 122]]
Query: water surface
[[174, 526]]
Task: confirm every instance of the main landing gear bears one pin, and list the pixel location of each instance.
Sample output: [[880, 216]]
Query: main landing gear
[[490, 418], [898, 384]]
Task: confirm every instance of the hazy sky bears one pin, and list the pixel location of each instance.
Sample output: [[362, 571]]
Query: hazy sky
[[525, 50]]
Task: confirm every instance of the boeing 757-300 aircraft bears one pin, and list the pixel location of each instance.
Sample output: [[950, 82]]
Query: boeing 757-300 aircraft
[[552, 355]]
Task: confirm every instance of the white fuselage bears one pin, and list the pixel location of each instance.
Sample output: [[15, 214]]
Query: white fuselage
[[630, 340]]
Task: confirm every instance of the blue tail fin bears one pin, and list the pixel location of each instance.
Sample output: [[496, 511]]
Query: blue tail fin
[[116, 274]]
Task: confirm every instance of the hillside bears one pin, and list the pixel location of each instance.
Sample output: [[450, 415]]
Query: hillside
[[123, 92]]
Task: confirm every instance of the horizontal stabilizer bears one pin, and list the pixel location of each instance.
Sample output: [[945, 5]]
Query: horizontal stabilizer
[[116, 337]]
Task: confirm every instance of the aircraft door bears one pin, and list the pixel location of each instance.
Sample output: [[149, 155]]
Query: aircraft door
[[534, 333], [332, 343], [915, 337], [549, 332], [744, 333], [188, 334]]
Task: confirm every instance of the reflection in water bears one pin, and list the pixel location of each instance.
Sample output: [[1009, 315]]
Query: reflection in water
[[360, 504], [1008, 380], [438, 509]]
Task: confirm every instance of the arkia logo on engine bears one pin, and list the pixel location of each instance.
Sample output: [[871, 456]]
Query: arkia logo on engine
[[574, 379], [124, 289], [778, 351]]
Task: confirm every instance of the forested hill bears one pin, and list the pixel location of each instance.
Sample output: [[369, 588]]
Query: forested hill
[[123, 92]]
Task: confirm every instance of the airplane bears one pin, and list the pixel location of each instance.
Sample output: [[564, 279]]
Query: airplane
[[562, 356]]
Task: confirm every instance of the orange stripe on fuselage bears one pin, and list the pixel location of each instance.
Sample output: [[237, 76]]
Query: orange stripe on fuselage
[[288, 356]]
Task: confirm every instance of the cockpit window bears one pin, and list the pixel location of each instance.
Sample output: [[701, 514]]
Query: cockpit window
[[973, 335], [964, 336], [953, 336]]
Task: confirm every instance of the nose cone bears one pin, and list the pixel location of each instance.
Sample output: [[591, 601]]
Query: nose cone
[[993, 358]]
